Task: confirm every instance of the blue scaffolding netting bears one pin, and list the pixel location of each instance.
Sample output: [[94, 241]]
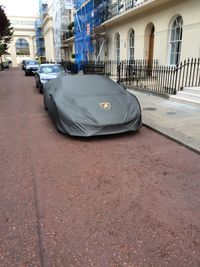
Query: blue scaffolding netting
[[89, 14], [39, 38], [38, 30]]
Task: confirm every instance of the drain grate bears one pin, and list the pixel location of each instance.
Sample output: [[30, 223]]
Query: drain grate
[[171, 113], [150, 109]]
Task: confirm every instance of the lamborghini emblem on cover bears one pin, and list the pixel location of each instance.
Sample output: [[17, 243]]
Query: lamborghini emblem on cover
[[105, 105]]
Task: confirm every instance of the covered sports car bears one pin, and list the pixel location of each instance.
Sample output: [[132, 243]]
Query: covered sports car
[[87, 105]]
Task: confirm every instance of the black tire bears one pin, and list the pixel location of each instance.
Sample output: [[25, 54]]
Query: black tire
[[45, 107], [40, 90], [36, 85]]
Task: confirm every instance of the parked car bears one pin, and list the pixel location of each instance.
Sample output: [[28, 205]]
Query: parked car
[[30, 66], [5, 65], [24, 63], [47, 72], [87, 105]]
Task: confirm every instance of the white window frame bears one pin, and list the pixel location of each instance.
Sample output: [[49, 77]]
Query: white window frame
[[117, 47], [131, 45], [22, 44], [176, 40]]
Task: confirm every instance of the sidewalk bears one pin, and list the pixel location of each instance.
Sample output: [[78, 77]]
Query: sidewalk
[[180, 122]]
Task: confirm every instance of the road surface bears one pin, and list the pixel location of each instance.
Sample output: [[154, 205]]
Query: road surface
[[127, 200]]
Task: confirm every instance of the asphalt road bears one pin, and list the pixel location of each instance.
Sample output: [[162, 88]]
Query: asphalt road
[[127, 200]]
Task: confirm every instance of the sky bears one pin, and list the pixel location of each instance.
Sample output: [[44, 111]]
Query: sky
[[20, 7]]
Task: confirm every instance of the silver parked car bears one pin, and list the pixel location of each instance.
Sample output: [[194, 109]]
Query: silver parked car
[[47, 72]]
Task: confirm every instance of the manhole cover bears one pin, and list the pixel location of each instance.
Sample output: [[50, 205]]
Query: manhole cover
[[171, 113], [150, 109]]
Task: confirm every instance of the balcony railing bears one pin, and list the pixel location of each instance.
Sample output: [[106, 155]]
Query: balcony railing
[[119, 7]]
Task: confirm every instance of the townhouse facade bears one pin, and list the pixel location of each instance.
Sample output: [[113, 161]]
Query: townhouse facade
[[54, 18], [165, 30]]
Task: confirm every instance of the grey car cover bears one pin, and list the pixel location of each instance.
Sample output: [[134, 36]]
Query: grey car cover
[[86, 105]]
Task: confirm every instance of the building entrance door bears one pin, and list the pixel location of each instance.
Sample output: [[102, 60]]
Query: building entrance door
[[151, 44], [151, 50]]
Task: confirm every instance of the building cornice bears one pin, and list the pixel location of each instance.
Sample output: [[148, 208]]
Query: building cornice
[[141, 9], [23, 17]]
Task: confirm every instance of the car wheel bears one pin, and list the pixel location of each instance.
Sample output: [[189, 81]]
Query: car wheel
[[45, 107], [40, 90], [26, 74], [36, 84]]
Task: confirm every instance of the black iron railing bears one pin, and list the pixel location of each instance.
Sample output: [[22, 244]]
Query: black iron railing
[[108, 68], [144, 73], [93, 68], [165, 79]]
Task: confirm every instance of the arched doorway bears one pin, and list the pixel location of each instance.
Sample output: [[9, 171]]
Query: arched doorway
[[22, 47], [22, 50], [149, 42], [149, 46]]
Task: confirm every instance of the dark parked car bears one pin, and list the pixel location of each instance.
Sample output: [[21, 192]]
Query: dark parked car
[[5, 65], [23, 64], [30, 66], [87, 105], [47, 72]]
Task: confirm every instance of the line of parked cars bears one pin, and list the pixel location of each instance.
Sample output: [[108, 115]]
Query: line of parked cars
[[85, 105], [42, 72]]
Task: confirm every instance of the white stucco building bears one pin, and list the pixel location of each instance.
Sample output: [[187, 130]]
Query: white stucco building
[[23, 45], [165, 30]]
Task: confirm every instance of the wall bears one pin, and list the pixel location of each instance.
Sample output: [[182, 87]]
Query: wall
[[48, 38], [161, 18], [23, 29]]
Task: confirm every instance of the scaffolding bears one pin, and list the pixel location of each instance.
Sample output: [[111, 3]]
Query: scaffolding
[[61, 19], [89, 14], [39, 39], [38, 31]]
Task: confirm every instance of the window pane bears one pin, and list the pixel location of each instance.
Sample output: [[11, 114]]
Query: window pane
[[175, 40], [22, 47], [118, 47], [131, 45]]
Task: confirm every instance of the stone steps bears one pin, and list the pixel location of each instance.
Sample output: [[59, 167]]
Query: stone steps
[[188, 95]]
